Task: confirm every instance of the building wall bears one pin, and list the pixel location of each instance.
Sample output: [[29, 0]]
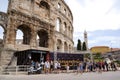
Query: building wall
[[41, 14], [100, 49], [37, 18]]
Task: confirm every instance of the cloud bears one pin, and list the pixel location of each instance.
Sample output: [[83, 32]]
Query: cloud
[[3, 5], [104, 37], [101, 19], [92, 16], [100, 38], [105, 41]]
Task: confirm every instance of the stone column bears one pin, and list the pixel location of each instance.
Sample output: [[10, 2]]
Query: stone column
[[62, 46], [33, 41], [50, 43], [4, 36], [62, 27], [10, 37]]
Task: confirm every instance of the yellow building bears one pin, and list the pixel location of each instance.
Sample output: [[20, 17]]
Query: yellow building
[[100, 49]]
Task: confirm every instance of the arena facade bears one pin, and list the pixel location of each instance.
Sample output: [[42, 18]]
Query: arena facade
[[47, 27]]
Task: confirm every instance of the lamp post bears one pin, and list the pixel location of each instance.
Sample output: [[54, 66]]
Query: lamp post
[[55, 49], [91, 56], [55, 56], [111, 44]]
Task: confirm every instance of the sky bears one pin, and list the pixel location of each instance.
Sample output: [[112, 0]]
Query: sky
[[100, 18]]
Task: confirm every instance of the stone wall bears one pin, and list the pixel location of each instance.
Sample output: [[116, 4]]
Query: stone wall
[[50, 20]]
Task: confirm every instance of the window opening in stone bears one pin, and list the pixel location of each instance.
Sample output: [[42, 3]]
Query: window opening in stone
[[58, 22], [69, 48], [19, 37], [44, 5], [37, 40], [1, 32], [64, 27], [65, 47], [59, 45], [64, 11], [43, 38], [1, 35], [59, 6], [69, 31], [26, 32]]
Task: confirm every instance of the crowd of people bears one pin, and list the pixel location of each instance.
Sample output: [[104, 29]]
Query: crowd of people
[[96, 66], [46, 67], [82, 66]]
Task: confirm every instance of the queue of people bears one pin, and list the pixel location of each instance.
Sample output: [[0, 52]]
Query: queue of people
[[46, 67], [87, 66], [96, 66]]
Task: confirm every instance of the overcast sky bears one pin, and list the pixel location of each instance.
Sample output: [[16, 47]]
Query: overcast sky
[[100, 18]]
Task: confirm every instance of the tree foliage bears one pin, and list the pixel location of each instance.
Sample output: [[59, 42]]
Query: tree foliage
[[79, 44], [84, 46], [98, 56], [87, 55]]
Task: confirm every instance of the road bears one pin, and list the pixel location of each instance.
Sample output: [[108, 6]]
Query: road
[[66, 76]]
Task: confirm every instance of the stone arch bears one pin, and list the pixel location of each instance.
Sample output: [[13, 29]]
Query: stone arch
[[69, 31], [58, 24], [45, 9], [3, 24], [65, 46], [44, 5], [70, 48], [59, 45], [2, 30], [64, 27], [3, 20], [1, 35], [26, 30], [58, 5], [42, 38]]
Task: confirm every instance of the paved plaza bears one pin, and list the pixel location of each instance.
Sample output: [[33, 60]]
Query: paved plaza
[[66, 76]]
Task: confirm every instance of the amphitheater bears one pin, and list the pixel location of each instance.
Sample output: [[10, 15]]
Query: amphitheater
[[47, 26]]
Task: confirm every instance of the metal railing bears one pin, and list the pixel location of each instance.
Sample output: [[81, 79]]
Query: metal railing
[[21, 69]]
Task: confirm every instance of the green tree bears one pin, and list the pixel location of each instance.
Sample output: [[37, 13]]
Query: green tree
[[98, 56], [87, 55], [79, 45], [84, 46]]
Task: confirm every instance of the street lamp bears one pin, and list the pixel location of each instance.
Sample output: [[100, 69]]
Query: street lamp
[[55, 55]]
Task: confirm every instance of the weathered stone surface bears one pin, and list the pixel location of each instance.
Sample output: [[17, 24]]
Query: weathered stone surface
[[37, 18]]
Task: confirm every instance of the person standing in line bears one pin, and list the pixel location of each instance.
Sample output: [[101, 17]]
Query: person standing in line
[[58, 66], [42, 64], [51, 66], [55, 67], [47, 66], [78, 68], [67, 68], [81, 67], [106, 65], [100, 67], [74, 67], [84, 66], [33, 64]]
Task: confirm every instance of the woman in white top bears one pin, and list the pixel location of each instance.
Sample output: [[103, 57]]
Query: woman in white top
[[47, 67]]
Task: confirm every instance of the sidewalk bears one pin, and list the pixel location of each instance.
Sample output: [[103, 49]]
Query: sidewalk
[[111, 75]]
